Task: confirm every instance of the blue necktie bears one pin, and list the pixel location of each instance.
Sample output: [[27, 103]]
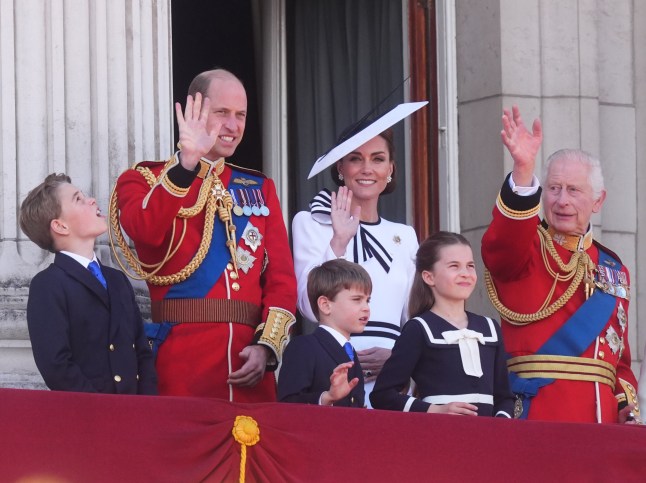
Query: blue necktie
[[348, 350], [96, 271]]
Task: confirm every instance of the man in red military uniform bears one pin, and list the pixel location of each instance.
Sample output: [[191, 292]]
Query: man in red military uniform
[[212, 245], [562, 296]]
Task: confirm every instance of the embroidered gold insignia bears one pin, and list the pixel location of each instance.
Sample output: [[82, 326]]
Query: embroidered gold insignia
[[558, 238], [245, 181]]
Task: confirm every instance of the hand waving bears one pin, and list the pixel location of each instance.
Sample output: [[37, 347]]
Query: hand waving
[[345, 221], [340, 387], [521, 144], [194, 139]]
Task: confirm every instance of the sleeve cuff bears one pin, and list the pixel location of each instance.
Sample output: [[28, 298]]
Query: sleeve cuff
[[180, 176]]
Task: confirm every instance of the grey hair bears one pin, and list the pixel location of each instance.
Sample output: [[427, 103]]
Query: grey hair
[[595, 174]]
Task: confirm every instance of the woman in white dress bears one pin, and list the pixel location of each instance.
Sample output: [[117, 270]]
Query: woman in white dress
[[347, 225]]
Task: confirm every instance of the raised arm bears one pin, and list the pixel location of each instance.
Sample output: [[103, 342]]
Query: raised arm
[[521, 144]]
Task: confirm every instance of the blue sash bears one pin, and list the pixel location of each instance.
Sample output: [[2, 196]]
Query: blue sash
[[572, 339], [211, 268]]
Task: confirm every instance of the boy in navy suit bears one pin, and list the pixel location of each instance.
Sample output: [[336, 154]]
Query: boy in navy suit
[[322, 367], [85, 327]]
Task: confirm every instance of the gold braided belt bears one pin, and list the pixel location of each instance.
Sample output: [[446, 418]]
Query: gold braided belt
[[205, 310], [563, 367]]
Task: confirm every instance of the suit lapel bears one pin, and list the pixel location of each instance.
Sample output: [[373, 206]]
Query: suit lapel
[[331, 345], [117, 303], [81, 274]]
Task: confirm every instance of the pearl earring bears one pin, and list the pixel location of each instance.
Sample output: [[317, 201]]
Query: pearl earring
[[340, 177], [389, 179]]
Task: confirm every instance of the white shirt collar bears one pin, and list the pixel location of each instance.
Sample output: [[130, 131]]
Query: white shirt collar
[[340, 338], [81, 259]]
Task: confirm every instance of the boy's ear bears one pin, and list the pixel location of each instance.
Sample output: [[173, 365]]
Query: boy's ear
[[59, 227], [324, 305]]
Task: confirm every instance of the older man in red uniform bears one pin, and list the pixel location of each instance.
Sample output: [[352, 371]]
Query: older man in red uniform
[[212, 245], [562, 296]]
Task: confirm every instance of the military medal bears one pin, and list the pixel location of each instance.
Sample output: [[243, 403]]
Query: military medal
[[264, 209], [246, 209], [245, 259], [252, 237], [255, 209], [613, 282], [237, 209]]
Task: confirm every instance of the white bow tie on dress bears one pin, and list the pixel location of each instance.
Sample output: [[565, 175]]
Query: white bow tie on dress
[[469, 350]]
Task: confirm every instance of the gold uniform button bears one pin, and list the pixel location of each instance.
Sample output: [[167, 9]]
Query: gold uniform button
[[111, 347], [602, 354], [117, 378], [602, 340], [229, 266], [233, 275], [235, 286]]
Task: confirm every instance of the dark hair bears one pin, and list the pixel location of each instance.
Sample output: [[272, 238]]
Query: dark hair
[[329, 278], [388, 136], [421, 296], [40, 207], [202, 81]]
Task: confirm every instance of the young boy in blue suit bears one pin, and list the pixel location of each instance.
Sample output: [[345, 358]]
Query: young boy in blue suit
[[322, 367], [86, 331]]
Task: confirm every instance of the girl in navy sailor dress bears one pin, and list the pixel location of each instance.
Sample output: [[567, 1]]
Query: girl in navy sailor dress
[[456, 358]]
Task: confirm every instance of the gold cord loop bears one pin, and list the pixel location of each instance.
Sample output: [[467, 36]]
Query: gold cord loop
[[138, 267], [579, 267]]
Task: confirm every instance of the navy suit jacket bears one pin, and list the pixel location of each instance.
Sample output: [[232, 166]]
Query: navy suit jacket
[[308, 363], [86, 338]]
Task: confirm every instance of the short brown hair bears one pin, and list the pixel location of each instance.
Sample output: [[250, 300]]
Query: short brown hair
[[387, 135], [40, 207], [202, 81], [329, 278]]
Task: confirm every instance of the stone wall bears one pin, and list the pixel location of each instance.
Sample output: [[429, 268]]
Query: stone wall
[[576, 65], [80, 83]]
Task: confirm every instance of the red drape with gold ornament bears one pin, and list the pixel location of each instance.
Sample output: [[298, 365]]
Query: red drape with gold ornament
[[73, 437]]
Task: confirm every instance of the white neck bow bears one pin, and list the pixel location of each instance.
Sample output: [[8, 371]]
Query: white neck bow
[[469, 350]]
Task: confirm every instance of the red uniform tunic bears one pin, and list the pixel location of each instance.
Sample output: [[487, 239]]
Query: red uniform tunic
[[512, 252], [196, 358]]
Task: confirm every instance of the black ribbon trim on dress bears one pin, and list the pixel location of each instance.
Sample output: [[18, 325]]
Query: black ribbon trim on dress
[[364, 241]]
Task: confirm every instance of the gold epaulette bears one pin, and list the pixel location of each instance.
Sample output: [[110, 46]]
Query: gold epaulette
[[274, 333]]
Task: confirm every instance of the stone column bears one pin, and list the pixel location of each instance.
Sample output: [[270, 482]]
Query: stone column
[[85, 90]]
